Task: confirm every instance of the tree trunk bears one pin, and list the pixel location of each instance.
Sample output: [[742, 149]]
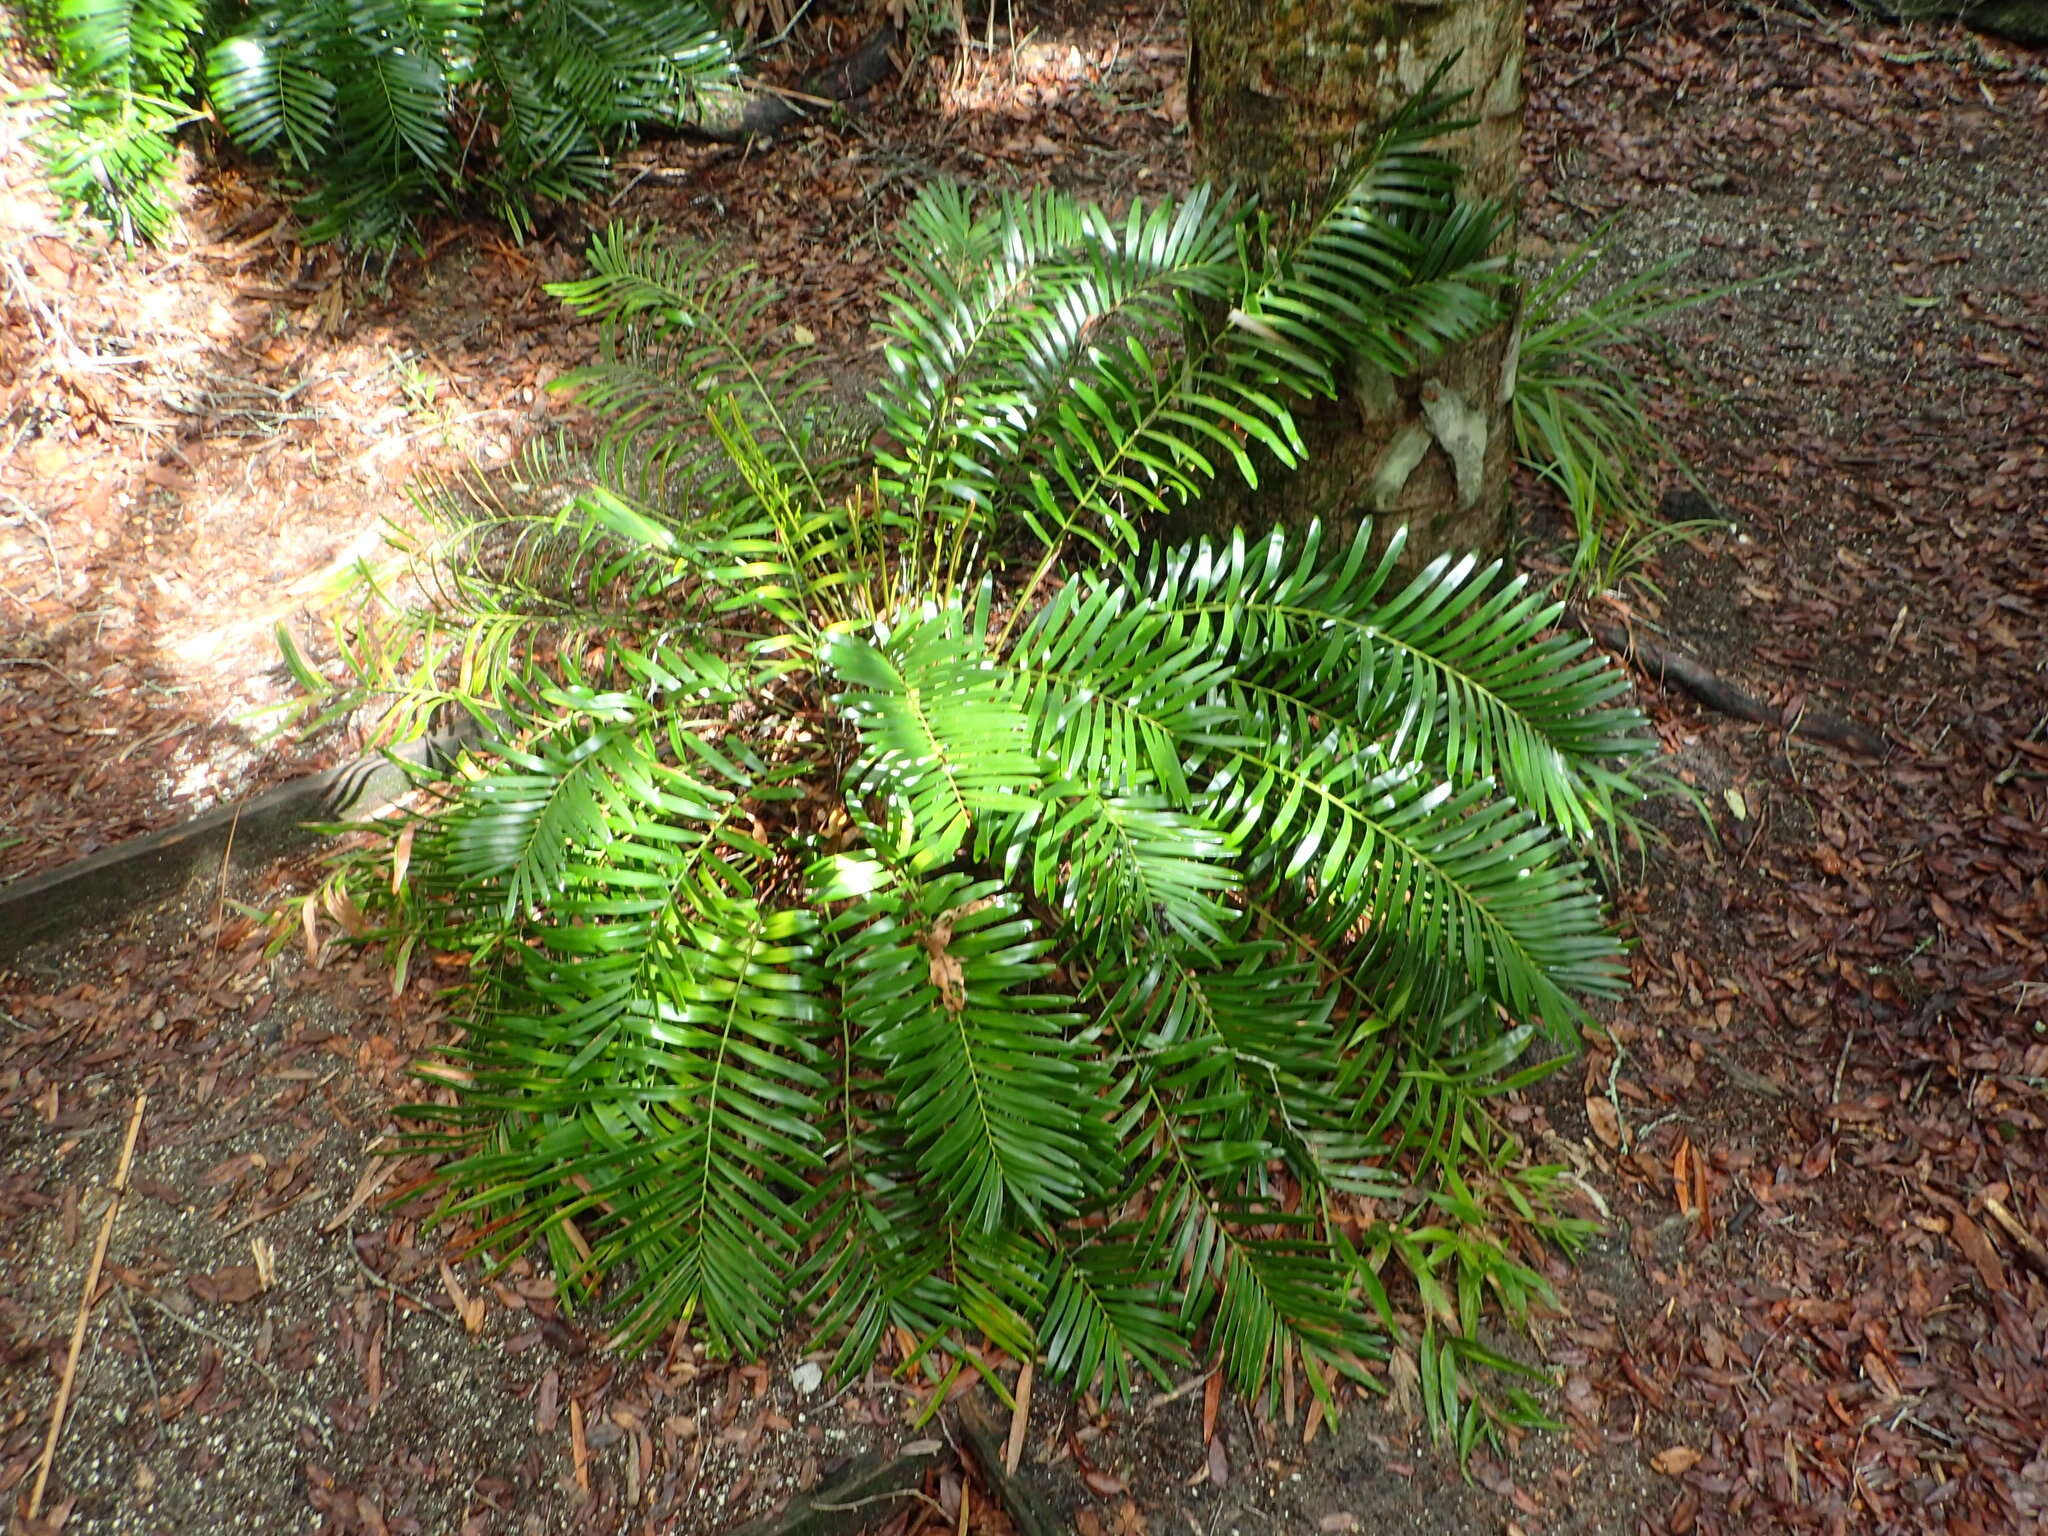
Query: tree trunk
[[1280, 92]]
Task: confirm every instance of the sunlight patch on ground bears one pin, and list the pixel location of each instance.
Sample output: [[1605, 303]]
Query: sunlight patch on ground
[[195, 443], [1022, 82]]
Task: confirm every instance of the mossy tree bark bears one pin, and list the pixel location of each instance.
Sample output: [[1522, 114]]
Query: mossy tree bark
[[1280, 94]]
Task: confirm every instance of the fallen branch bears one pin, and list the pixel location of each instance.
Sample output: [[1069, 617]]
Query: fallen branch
[[156, 1390], [1667, 664], [1027, 1510], [92, 1284], [736, 114]]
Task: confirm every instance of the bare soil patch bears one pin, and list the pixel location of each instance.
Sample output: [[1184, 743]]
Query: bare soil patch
[[1817, 1124]]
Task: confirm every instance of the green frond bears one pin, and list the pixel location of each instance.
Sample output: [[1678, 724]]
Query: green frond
[[949, 989], [1224, 1057], [399, 111], [1245, 1029], [123, 69], [996, 318], [1130, 862], [365, 99], [522, 822], [1581, 418], [594, 820], [112, 154], [674, 1118], [1459, 880], [876, 1265], [1112, 687], [272, 94], [1276, 1294], [1455, 670], [123, 46], [942, 737], [1086, 375], [1107, 1313], [1395, 267], [718, 1234], [707, 409]]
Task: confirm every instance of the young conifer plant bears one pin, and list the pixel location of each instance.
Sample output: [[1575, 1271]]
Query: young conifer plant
[[903, 901]]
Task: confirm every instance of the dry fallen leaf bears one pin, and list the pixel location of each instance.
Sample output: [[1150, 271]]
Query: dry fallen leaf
[[1978, 1250], [401, 856], [1606, 1123], [341, 906], [946, 973], [1404, 1378], [469, 1308], [1013, 1450], [373, 1371], [548, 1403], [1103, 1484], [230, 1286]]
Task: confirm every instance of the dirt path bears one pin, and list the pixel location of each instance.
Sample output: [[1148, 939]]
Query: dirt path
[[1821, 1303]]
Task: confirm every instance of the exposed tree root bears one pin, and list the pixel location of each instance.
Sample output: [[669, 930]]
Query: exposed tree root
[[1666, 664], [737, 114]]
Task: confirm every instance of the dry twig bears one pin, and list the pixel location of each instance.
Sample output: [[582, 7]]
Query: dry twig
[[200, 1330], [92, 1283]]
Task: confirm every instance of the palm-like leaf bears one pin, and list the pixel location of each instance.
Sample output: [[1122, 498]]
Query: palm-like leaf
[[950, 947], [990, 1091], [123, 71], [1445, 669], [271, 96], [681, 1113], [1106, 1312], [943, 739], [1129, 862], [127, 45]]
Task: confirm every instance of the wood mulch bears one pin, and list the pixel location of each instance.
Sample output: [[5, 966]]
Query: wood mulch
[[1815, 1130]]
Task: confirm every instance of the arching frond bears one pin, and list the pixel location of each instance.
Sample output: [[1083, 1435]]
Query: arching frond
[[942, 737], [1106, 1314], [989, 1089], [675, 1118], [997, 316], [272, 94], [1129, 863], [1454, 670], [1226, 1066]]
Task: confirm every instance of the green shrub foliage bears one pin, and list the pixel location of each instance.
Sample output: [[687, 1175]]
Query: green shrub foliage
[[126, 71], [384, 110], [900, 898], [1582, 417]]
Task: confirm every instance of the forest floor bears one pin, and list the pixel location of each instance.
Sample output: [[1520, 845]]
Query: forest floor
[[1817, 1130]]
